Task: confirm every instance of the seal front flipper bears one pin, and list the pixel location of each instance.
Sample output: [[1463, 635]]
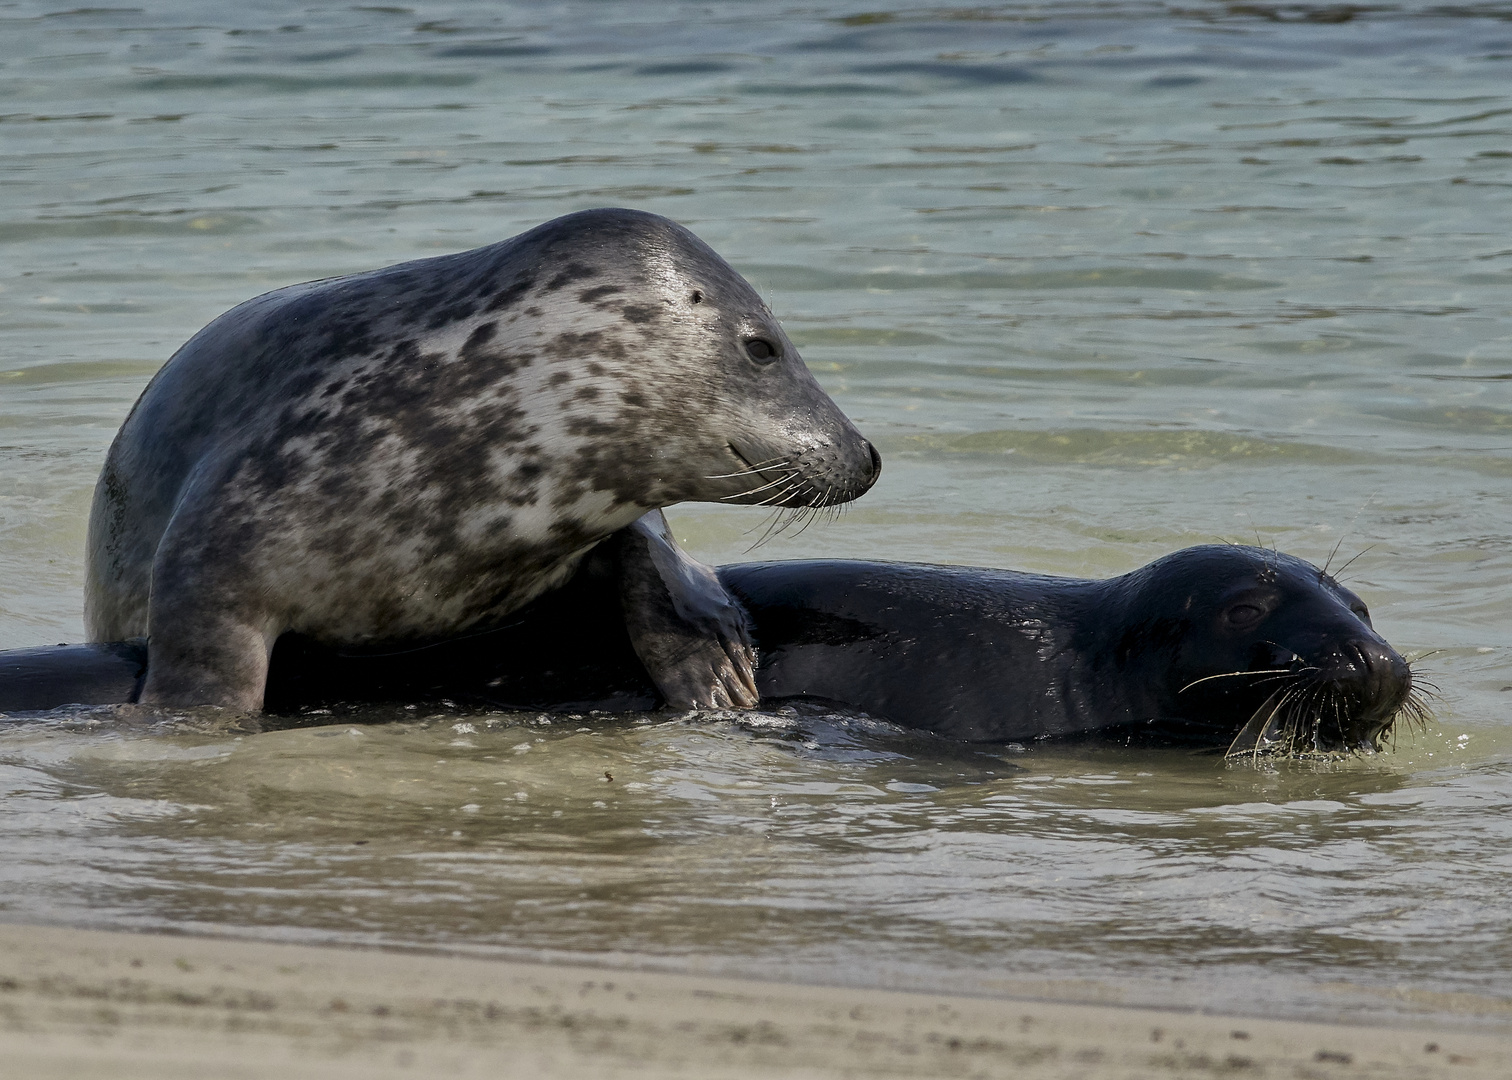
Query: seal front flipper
[[692, 636]]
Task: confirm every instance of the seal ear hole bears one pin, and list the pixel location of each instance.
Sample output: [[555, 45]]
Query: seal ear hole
[[697, 296], [761, 350]]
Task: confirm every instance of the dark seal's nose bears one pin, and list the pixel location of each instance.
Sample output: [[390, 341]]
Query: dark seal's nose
[[876, 465], [1374, 681], [1386, 680]]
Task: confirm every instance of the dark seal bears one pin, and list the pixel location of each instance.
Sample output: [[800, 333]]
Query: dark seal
[[1235, 647], [414, 453], [1219, 645]]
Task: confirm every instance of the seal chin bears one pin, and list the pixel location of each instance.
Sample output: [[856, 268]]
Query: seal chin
[[819, 476]]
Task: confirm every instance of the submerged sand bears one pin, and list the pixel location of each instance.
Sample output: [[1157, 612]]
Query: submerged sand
[[82, 1004]]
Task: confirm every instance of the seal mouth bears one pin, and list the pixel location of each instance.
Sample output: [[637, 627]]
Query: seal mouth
[[788, 483], [769, 479], [1347, 708]]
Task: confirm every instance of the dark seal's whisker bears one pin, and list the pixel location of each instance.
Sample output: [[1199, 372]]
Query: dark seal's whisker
[[1234, 675], [1253, 733], [1350, 562]]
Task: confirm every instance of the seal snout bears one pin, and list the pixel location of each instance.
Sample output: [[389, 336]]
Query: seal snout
[[826, 474], [1382, 676], [842, 472], [1372, 682]]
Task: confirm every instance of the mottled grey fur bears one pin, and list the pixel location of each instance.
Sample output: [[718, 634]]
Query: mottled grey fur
[[414, 452]]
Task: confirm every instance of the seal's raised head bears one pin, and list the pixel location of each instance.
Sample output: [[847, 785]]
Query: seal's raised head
[[673, 366], [1273, 641]]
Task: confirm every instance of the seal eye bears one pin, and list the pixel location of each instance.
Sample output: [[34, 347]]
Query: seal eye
[[697, 296], [1361, 612], [761, 350], [1244, 614]]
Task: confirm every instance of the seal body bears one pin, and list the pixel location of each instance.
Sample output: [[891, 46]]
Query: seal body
[[1199, 647], [1217, 646], [414, 453]]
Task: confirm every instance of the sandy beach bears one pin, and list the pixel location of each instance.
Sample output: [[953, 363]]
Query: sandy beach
[[82, 1004]]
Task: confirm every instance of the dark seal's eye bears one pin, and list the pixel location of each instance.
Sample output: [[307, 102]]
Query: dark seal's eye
[[761, 350], [1244, 614], [1362, 612]]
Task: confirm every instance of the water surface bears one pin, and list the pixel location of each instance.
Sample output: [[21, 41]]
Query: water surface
[[1100, 280]]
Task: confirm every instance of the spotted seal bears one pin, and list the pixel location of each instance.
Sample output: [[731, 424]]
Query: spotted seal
[[1236, 647], [413, 453]]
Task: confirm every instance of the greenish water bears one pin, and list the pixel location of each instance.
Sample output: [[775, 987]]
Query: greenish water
[[1100, 280]]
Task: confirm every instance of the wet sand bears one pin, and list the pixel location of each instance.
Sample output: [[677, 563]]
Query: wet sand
[[85, 1004]]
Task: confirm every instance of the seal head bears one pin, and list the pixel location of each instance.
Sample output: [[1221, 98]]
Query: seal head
[[1268, 638]]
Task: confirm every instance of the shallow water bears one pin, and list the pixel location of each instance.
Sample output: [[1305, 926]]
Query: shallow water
[[1100, 280]]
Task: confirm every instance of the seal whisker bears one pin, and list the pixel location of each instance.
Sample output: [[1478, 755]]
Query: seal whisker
[[780, 497], [770, 531], [1351, 560], [1415, 657], [774, 463], [1302, 713], [782, 516], [1303, 720], [1345, 534], [1234, 675], [810, 514], [1250, 735], [1298, 675], [754, 490], [1329, 561]]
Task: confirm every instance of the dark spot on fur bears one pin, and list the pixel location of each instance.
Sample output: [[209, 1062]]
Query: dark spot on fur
[[590, 425], [480, 336], [640, 313], [570, 345], [559, 378], [507, 297], [634, 398], [450, 313], [587, 393], [588, 296], [574, 271]]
